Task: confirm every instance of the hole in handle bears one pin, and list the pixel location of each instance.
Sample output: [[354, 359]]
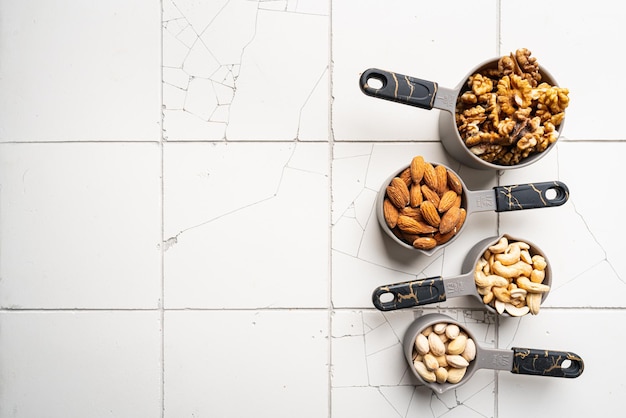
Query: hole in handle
[[386, 297], [376, 81]]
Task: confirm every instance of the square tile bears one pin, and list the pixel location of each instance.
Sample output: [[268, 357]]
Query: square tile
[[78, 364], [370, 376], [80, 225], [74, 73], [236, 90], [405, 37], [274, 361], [261, 223], [580, 247], [364, 257], [565, 38], [585, 332]]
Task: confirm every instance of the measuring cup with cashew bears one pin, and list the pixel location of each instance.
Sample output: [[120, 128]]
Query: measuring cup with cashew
[[443, 354], [511, 276], [423, 206]]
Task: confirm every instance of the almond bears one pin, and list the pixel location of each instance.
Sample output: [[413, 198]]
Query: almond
[[415, 195], [430, 194], [448, 199], [430, 176], [417, 168], [449, 220], [406, 176], [398, 192], [411, 226], [430, 214], [412, 212], [425, 243], [442, 179], [454, 183], [390, 213]]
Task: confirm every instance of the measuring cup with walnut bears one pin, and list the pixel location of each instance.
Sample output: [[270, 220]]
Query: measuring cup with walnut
[[506, 113]]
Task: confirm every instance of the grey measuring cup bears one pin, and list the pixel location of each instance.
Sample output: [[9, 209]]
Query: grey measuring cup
[[419, 292], [426, 94], [528, 361], [500, 199]]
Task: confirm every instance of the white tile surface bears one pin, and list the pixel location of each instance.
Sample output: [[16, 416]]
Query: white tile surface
[[187, 213], [226, 191], [73, 73], [276, 362], [80, 225], [77, 364]]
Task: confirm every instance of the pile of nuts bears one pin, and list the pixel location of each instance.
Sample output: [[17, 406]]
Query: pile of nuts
[[510, 278], [442, 353], [506, 114], [422, 205]]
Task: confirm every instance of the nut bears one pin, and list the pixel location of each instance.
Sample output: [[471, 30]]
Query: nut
[[417, 168], [504, 114], [424, 243], [456, 374], [445, 363], [398, 193], [423, 205], [421, 344], [457, 345], [507, 274], [436, 345], [430, 214], [390, 212], [448, 199], [449, 220]]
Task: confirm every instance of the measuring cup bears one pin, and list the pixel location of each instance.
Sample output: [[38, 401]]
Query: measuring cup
[[499, 199], [437, 289], [529, 361], [425, 94]]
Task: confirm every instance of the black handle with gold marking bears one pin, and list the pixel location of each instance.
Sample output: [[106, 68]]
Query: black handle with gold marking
[[530, 196], [399, 88], [409, 294], [546, 363]]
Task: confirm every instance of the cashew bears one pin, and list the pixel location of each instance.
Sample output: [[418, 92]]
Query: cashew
[[482, 280], [533, 300], [502, 294], [526, 257], [515, 311], [518, 293], [510, 256], [480, 264], [537, 276], [539, 262], [532, 287], [499, 306], [500, 247], [487, 298], [515, 270]]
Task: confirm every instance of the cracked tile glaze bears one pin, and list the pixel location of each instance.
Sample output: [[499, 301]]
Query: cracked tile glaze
[[220, 90]]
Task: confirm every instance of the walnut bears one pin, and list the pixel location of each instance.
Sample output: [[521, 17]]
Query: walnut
[[528, 66], [480, 85], [504, 114], [513, 92]]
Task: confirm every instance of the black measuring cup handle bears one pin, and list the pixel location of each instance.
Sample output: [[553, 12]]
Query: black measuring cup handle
[[546, 363], [410, 294], [530, 196], [399, 88]]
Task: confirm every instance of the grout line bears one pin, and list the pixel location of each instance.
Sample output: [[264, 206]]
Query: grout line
[[331, 146], [162, 246]]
